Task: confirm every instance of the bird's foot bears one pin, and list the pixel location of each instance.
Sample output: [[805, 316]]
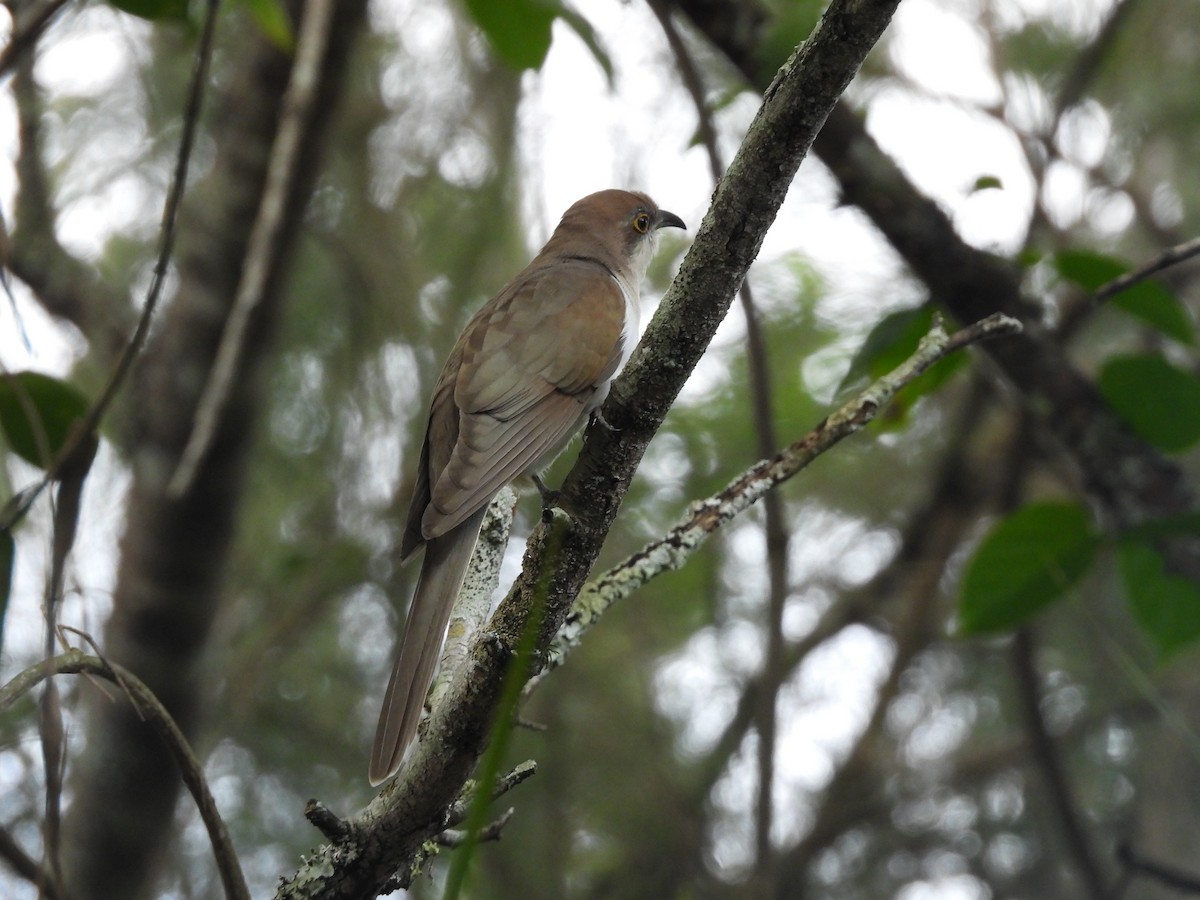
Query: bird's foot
[[598, 419], [550, 497]]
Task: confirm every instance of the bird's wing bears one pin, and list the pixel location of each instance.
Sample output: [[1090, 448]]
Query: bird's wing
[[441, 434], [531, 363]]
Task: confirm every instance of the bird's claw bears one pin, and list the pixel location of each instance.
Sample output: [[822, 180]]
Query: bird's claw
[[597, 418], [550, 497]]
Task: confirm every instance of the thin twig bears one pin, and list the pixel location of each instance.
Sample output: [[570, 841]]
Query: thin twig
[[166, 240], [1170, 876], [454, 837], [166, 245], [458, 810], [74, 662], [98, 684], [66, 525], [1058, 793], [299, 108], [27, 867], [1169, 257], [74, 461], [326, 821]]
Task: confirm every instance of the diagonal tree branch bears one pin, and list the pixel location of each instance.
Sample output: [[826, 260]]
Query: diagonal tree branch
[[704, 517], [390, 831], [1172, 256]]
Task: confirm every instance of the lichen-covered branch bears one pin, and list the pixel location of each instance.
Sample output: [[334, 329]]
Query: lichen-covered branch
[[475, 599], [387, 835], [706, 516]]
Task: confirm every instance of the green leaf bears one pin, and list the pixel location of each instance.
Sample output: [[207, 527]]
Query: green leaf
[[1088, 269], [1039, 49], [1159, 401], [519, 30], [1166, 606], [987, 183], [789, 25], [1029, 257], [8, 553], [1148, 300], [583, 28], [1184, 524], [1151, 302], [154, 9], [893, 340], [54, 405], [271, 16], [1026, 562], [890, 342]]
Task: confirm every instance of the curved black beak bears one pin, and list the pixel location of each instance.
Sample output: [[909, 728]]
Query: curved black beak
[[669, 220]]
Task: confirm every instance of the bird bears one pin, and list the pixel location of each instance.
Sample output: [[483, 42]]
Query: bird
[[527, 372]]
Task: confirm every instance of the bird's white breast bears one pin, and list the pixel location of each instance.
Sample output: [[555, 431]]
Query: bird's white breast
[[630, 289]]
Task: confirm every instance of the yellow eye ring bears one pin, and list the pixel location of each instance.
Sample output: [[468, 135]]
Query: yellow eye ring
[[641, 223]]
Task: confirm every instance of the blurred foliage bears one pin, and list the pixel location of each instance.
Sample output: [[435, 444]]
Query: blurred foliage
[[788, 24], [1165, 605], [893, 340], [1025, 563], [1160, 401], [519, 30], [271, 16], [418, 217], [154, 9], [1149, 300], [37, 414]]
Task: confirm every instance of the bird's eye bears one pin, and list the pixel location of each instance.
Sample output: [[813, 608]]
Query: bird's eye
[[641, 223]]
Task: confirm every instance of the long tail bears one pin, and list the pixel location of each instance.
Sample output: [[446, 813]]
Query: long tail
[[442, 573]]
